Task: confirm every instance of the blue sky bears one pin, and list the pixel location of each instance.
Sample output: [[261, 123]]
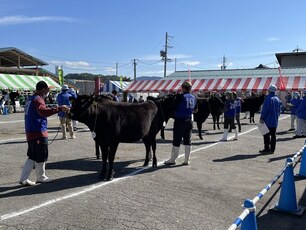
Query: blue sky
[[93, 35]]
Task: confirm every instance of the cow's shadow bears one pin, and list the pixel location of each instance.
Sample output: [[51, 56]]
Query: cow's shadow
[[76, 181]]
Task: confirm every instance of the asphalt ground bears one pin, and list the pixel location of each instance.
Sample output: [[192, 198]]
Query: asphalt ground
[[207, 194]]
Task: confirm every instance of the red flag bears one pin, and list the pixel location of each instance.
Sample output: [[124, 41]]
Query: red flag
[[281, 84]]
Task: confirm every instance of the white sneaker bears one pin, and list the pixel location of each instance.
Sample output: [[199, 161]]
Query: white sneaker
[[73, 137], [45, 180], [27, 182]]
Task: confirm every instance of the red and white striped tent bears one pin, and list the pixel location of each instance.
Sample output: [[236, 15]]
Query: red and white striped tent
[[255, 84]]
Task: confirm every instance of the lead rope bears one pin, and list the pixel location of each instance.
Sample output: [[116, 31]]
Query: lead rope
[[164, 122], [58, 129]]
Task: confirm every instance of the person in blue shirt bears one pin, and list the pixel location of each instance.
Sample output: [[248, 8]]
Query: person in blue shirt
[[73, 94], [238, 101], [64, 99], [229, 116], [294, 104], [184, 106], [269, 115], [301, 118]]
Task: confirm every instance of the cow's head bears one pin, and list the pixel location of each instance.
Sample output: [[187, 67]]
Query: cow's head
[[168, 105], [80, 105]]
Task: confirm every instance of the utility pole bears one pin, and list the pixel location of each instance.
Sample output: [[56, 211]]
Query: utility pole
[[134, 63], [223, 62], [296, 50], [164, 55]]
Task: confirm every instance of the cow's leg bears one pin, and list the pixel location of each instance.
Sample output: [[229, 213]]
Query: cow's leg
[[214, 122], [199, 125], [97, 146], [111, 158], [162, 133], [147, 143], [218, 122], [153, 143], [104, 149]]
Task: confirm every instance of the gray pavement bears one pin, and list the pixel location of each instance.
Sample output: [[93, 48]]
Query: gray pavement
[[207, 194]]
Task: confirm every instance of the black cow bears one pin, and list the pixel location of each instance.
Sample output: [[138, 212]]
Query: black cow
[[114, 122], [253, 105], [213, 106], [202, 114], [164, 113], [216, 106], [165, 110]]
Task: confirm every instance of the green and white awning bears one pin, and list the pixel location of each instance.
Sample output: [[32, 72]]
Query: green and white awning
[[24, 82]]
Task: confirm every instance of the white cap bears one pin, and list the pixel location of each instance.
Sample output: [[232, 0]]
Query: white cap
[[65, 87], [272, 88]]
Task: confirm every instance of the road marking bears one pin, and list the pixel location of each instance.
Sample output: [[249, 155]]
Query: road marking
[[101, 184], [17, 121]]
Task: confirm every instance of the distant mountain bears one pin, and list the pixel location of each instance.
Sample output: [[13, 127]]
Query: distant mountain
[[89, 76], [148, 78]]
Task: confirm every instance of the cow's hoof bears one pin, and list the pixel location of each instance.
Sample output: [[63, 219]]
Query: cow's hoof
[[98, 157], [146, 164], [201, 137]]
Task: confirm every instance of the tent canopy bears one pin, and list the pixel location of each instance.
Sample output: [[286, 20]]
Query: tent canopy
[[255, 84], [109, 86], [24, 82]]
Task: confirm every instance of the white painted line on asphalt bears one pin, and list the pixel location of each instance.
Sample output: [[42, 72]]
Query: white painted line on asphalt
[[17, 121], [100, 184]]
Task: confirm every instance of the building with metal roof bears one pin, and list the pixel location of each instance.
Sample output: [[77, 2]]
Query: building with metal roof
[[292, 59], [13, 57], [239, 73], [291, 75]]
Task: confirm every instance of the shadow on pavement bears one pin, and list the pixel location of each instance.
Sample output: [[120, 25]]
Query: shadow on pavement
[[81, 180], [239, 157], [274, 220]]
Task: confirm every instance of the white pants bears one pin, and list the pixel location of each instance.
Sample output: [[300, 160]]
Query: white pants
[[301, 127]]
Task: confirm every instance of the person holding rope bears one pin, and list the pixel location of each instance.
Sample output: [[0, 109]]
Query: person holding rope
[[36, 128], [185, 105]]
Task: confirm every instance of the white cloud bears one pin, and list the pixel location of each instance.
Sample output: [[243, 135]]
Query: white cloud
[[227, 64], [273, 39], [190, 63], [152, 73], [179, 56], [110, 70], [20, 19], [80, 65]]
